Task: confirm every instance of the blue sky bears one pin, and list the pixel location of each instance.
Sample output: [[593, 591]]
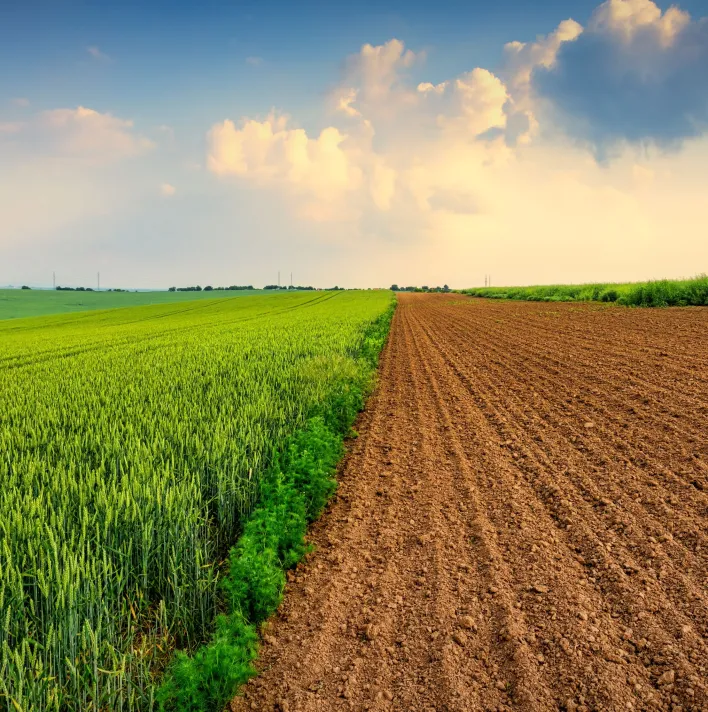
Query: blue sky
[[162, 52], [154, 185]]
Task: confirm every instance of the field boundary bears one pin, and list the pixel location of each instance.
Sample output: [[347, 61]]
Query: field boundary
[[657, 293], [293, 493]]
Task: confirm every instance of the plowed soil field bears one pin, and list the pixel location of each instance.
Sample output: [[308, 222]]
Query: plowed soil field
[[521, 525]]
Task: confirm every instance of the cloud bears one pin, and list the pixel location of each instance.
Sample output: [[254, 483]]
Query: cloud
[[520, 61], [269, 152], [83, 134], [472, 104], [62, 167], [453, 201], [405, 148], [20, 102], [404, 176], [372, 80], [635, 74], [643, 175], [254, 61], [96, 53], [479, 163], [382, 185], [344, 100], [375, 91], [521, 58], [10, 127], [377, 69]]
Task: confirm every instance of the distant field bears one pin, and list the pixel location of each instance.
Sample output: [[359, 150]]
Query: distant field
[[659, 293], [19, 303]]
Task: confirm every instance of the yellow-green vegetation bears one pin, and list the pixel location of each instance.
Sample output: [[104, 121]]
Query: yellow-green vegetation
[[659, 293], [22, 303], [134, 446]]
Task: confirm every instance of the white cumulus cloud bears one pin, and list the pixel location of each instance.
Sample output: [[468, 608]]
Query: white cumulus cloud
[[270, 152], [479, 161]]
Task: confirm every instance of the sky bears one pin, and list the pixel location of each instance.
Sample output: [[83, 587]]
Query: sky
[[178, 143]]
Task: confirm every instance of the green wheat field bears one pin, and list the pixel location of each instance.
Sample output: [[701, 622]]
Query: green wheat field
[[133, 443]]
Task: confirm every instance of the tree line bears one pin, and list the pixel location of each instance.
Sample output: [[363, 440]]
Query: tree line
[[424, 288], [209, 288]]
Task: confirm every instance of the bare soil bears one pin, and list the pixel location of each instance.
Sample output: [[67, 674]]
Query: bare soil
[[520, 526]]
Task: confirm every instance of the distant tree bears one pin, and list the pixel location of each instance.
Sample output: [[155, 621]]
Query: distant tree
[[24, 286], [446, 288], [394, 288], [271, 286], [172, 289], [208, 288]]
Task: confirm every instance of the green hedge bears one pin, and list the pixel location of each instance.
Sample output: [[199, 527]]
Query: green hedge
[[294, 492], [659, 293]]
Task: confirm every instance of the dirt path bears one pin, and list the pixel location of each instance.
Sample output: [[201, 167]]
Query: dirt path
[[520, 526]]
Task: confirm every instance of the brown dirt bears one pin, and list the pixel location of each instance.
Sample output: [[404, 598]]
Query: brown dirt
[[521, 524]]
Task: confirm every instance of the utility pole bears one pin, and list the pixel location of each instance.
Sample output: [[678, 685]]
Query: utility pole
[[485, 280], [54, 280], [291, 279], [278, 279], [98, 281]]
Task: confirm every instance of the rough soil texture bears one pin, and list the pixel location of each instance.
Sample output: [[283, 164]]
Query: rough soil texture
[[520, 526]]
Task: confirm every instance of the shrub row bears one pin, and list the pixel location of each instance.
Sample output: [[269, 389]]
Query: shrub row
[[293, 493], [659, 293]]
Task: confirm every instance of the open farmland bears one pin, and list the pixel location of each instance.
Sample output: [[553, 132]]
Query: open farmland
[[521, 524], [131, 446], [22, 303]]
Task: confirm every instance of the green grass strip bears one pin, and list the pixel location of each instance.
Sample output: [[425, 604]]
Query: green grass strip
[[293, 493], [658, 293]]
